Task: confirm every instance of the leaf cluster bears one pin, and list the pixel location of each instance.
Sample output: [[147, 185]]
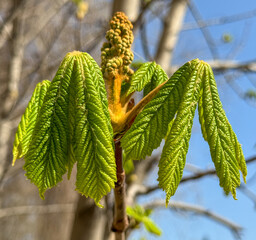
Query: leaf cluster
[[169, 115], [67, 121]]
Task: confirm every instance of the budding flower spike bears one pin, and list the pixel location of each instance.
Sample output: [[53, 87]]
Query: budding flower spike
[[116, 56]]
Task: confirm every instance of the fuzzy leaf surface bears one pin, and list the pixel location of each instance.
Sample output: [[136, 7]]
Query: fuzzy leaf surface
[[174, 153], [47, 158], [142, 77], [201, 116], [28, 120], [239, 153], [158, 78], [96, 169], [100, 87], [225, 150], [151, 124]]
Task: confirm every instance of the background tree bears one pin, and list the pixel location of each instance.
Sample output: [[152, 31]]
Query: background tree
[[34, 37]]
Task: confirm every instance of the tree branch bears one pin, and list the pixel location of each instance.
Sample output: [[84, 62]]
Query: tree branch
[[139, 189], [219, 21], [7, 25], [139, 20], [206, 33], [144, 42], [17, 51], [225, 65], [120, 222], [36, 209], [44, 20], [174, 205], [172, 27]]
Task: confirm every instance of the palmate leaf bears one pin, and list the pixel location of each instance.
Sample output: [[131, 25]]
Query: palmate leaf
[[96, 169], [28, 120], [142, 77], [74, 125], [174, 153], [151, 125], [47, 157], [225, 150], [142, 215]]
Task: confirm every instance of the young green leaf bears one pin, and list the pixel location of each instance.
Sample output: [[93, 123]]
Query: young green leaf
[[201, 116], [141, 77], [100, 86], [47, 156], [239, 153], [28, 120], [151, 226], [174, 153], [224, 148], [151, 124], [96, 169], [71, 115], [74, 125], [158, 78], [142, 215]]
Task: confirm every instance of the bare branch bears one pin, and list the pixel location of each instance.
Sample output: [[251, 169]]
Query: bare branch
[[44, 20], [139, 189], [6, 133], [225, 65], [6, 27], [206, 33], [139, 20], [54, 38], [175, 205], [219, 21], [172, 27], [144, 42], [17, 51], [141, 170], [37, 209], [248, 193]]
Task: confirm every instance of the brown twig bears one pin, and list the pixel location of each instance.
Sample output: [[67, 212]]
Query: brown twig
[[131, 115], [120, 222]]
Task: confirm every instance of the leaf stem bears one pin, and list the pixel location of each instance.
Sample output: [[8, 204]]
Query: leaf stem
[[120, 222], [131, 115]]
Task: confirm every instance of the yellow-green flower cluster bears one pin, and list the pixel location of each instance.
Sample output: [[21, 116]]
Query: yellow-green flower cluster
[[116, 54]]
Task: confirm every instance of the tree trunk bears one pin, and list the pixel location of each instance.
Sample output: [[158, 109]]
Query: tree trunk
[[89, 221], [172, 26], [130, 8]]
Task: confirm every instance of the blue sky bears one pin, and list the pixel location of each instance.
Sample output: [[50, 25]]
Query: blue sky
[[241, 115]]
